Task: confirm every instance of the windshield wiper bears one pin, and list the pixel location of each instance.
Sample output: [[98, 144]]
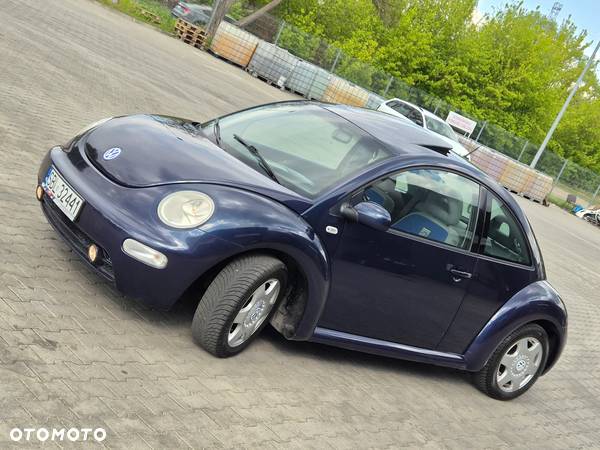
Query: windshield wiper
[[261, 161]]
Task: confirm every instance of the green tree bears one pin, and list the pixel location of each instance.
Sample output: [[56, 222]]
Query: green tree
[[514, 68]]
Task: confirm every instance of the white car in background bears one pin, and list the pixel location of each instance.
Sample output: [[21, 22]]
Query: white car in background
[[425, 119]]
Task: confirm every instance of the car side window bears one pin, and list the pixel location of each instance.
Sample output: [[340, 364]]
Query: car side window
[[434, 204], [415, 116], [503, 237], [401, 108]]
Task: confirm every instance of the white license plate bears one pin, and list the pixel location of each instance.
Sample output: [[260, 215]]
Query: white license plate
[[63, 195]]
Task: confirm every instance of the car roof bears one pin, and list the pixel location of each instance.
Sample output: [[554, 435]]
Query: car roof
[[430, 114], [400, 137], [206, 9], [197, 6], [425, 112], [396, 134], [406, 103]]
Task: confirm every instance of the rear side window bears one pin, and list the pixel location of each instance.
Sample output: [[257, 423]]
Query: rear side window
[[504, 238]]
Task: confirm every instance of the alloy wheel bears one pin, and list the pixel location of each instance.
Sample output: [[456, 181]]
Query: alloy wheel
[[254, 312]]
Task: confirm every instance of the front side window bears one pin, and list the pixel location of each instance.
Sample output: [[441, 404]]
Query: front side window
[[439, 127], [433, 204], [504, 238], [308, 148]]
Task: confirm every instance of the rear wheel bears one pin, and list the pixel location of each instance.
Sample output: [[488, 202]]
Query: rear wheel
[[238, 304], [515, 365]]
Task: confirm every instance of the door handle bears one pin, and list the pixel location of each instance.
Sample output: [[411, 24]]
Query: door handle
[[458, 275]]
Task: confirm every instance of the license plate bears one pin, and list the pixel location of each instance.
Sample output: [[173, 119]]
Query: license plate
[[63, 195]]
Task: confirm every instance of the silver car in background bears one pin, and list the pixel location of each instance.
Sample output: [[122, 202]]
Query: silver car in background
[[195, 14], [424, 119]]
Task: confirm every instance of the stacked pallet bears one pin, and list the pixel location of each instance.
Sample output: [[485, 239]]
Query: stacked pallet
[[271, 63], [234, 44], [341, 91], [190, 34], [513, 175]]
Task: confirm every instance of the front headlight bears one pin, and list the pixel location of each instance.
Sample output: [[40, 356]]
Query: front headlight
[[185, 209]]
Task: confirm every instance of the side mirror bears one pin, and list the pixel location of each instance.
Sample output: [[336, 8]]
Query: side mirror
[[369, 214]]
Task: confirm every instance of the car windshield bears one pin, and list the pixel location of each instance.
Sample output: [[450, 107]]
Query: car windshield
[[439, 127], [308, 148]]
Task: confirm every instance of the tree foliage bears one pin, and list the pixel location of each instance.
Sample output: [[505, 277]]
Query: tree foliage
[[514, 68]]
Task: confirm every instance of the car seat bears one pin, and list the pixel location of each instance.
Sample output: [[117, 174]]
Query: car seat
[[380, 194], [434, 218], [504, 241]]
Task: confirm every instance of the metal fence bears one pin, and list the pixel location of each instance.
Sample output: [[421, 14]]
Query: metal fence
[[316, 69]]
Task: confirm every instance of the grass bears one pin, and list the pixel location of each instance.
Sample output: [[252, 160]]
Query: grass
[[560, 202], [148, 11]]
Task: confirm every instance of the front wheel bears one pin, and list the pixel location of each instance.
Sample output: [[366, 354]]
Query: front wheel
[[238, 304], [515, 365]]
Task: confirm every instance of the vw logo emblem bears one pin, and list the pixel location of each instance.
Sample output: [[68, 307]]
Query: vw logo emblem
[[111, 153]]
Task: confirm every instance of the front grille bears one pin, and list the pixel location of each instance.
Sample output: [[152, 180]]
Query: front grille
[[77, 239]]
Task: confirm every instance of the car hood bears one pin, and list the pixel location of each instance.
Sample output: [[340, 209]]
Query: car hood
[[149, 150]]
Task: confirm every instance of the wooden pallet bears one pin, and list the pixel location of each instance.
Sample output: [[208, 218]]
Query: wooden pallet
[[190, 34], [154, 18]]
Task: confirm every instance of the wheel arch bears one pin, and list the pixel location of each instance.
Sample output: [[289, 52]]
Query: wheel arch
[[554, 342], [302, 296], [537, 303], [249, 222]]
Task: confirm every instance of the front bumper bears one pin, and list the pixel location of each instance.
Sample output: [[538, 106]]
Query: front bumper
[[78, 240], [112, 213]]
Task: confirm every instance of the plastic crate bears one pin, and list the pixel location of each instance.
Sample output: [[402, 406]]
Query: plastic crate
[[341, 91], [308, 80], [272, 63]]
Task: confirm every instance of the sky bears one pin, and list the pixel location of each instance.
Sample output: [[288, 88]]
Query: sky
[[584, 13]]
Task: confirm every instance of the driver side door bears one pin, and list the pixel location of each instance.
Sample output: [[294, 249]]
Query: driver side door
[[405, 284]]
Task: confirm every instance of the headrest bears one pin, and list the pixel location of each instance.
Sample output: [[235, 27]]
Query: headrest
[[498, 221], [495, 233], [444, 206]]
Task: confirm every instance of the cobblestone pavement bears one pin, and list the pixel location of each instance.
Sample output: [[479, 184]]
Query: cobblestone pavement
[[73, 352]]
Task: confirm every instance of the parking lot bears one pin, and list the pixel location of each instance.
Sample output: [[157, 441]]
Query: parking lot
[[73, 352]]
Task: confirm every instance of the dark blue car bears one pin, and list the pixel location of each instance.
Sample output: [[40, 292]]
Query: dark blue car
[[335, 224]]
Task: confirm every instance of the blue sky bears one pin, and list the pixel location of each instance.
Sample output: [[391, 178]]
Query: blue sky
[[584, 13]]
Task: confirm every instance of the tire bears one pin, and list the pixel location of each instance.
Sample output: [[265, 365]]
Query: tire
[[254, 284], [515, 365]]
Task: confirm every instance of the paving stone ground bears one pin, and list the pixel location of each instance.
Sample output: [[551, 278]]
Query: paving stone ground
[[73, 352]]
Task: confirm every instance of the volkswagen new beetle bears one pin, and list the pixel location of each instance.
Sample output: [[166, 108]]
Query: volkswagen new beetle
[[335, 224]]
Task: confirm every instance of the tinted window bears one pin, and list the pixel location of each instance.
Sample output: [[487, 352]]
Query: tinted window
[[416, 116], [407, 111], [434, 204], [439, 127], [308, 148], [504, 238]]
